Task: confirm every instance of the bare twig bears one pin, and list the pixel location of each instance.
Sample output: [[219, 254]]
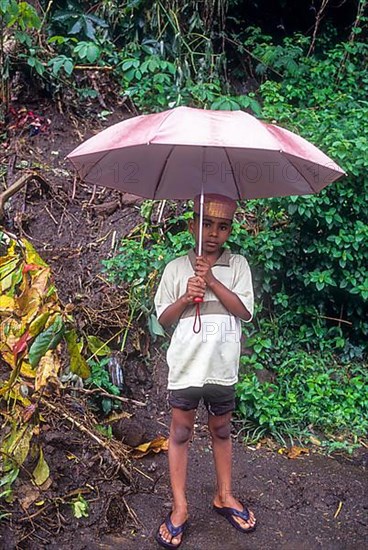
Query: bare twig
[[110, 396], [132, 514], [17, 186], [251, 54], [92, 68], [316, 26], [358, 19], [51, 216], [74, 186], [335, 319], [93, 195]]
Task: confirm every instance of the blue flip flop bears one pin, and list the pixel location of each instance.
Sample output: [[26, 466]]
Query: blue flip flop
[[231, 513], [174, 532]]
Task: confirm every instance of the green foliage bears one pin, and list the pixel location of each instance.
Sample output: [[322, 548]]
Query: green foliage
[[19, 21], [135, 264], [100, 378], [160, 54], [11, 472], [46, 340], [20, 15], [314, 249], [75, 21], [154, 83], [141, 260], [105, 430], [61, 62], [309, 253], [80, 507], [310, 392]]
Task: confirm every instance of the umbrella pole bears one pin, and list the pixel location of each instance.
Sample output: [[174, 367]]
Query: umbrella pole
[[197, 325], [200, 233]]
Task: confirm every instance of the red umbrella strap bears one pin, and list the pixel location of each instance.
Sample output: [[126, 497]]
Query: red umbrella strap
[[197, 325]]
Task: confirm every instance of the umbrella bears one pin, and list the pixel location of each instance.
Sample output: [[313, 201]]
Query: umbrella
[[183, 152]]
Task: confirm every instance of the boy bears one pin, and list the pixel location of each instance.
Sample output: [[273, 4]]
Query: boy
[[204, 364]]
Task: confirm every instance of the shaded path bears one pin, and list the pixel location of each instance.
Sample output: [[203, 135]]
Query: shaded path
[[295, 502]]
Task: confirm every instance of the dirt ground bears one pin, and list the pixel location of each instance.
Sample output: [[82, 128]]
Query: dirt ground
[[312, 502]]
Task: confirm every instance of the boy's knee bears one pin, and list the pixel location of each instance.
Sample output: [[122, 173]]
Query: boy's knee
[[180, 434], [223, 431]]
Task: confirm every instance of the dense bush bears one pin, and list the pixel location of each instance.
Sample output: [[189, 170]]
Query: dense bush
[[156, 54], [311, 394], [318, 255]]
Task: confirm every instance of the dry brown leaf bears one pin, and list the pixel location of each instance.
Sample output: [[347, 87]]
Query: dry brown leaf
[[314, 440], [48, 367], [295, 452], [26, 370], [28, 305], [9, 336], [16, 445], [156, 445], [116, 416], [29, 411], [8, 355], [46, 485], [40, 280], [266, 442], [27, 495]]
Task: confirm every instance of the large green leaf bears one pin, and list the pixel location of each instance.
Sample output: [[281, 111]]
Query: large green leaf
[[42, 471], [48, 339], [16, 446], [154, 326], [78, 365], [98, 347]]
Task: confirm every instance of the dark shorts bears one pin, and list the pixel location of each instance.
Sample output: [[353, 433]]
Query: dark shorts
[[217, 399]]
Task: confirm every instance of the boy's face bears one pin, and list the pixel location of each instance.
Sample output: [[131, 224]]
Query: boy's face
[[216, 232]]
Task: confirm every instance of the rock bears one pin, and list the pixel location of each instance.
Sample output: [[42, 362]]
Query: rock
[[129, 431], [141, 373], [128, 199]]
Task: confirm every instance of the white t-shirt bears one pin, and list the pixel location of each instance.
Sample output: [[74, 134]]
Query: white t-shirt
[[212, 355]]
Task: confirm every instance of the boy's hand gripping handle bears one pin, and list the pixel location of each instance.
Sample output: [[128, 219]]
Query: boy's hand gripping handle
[[197, 325]]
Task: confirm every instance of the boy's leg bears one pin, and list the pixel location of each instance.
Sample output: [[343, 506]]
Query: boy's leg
[[220, 428], [180, 434]]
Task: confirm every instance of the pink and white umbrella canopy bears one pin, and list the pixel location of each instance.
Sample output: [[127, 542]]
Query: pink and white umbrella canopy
[[179, 153]]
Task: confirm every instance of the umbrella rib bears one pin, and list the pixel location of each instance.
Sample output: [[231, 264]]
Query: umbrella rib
[[299, 172], [168, 113], [159, 179], [232, 171], [92, 167]]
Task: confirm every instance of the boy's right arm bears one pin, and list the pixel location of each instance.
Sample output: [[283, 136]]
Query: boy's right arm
[[195, 288]]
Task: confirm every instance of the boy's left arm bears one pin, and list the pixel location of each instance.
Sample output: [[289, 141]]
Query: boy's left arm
[[227, 297]]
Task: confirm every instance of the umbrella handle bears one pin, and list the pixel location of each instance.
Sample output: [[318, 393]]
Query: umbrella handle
[[197, 325]]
